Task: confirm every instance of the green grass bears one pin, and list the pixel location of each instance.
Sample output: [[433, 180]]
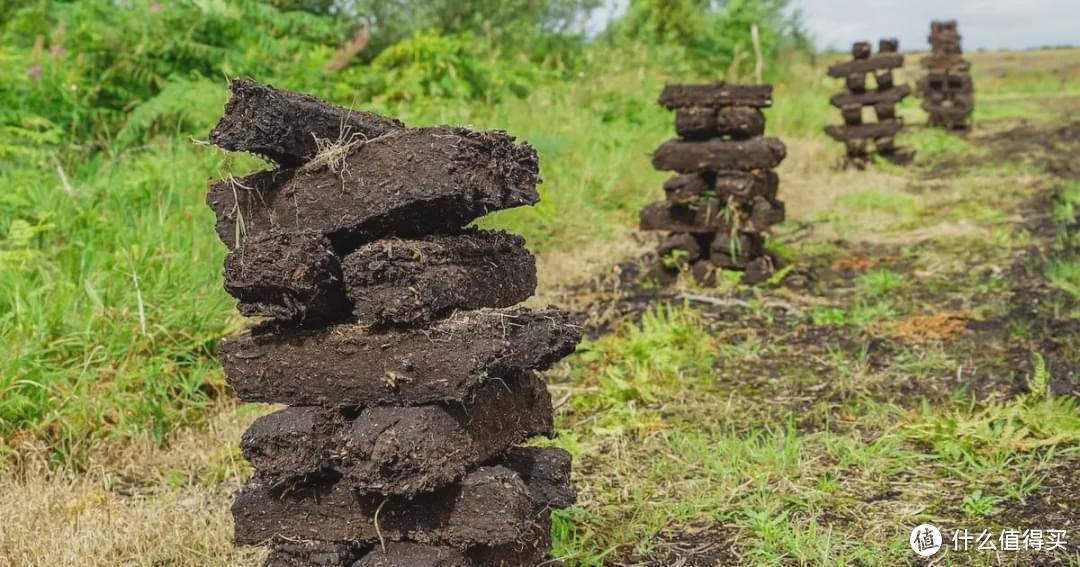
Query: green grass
[[1065, 274], [91, 356], [110, 297], [111, 306], [81, 367], [667, 444]]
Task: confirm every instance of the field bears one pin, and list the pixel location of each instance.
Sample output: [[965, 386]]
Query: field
[[919, 361]]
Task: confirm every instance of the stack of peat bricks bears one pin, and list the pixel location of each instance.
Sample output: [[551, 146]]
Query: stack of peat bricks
[[855, 134], [410, 380], [722, 200], [948, 94]]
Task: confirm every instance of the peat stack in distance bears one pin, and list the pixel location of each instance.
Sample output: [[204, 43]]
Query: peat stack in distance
[[948, 94], [722, 199], [390, 333], [854, 134]]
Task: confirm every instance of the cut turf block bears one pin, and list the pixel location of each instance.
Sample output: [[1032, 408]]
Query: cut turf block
[[493, 506], [755, 270], [518, 554], [347, 366], [744, 186], [879, 62], [686, 187], [396, 281], [405, 183], [287, 276], [695, 123], [862, 131], [705, 216], [286, 127], [415, 555], [947, 82], [871, 98], [744, 155], [951, 62], [400, 451], [716, 95], [740, 122], [737, 248], [679, 248], [546, 472], [765, 213], [313, 554]]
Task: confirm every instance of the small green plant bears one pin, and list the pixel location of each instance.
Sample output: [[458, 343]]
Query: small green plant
[[979, 505], [675, 259], [1039, 381], [1065, 275], [828, 316], [880, 282]]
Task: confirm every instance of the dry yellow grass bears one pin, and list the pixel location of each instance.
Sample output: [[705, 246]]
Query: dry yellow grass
[[140, 504]]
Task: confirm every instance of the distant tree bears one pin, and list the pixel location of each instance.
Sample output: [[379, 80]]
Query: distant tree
[[716, 32], [516, 23]]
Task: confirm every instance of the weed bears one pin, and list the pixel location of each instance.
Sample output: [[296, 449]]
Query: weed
[[880, 282]]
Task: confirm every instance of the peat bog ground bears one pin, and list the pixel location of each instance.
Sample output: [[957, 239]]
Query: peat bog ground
[[917, 361]]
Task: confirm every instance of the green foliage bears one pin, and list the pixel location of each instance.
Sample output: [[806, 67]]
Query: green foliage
[[668, 345], [102, 59], [431, 66], [1065, 274], [542, 27], [936, 144], [976, 439], [110, 299], [110, 292], [101, 74], [880, 282], [716, 35], [980, 505]]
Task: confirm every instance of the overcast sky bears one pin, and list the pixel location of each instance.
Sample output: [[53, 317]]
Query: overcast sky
[[992, 24]]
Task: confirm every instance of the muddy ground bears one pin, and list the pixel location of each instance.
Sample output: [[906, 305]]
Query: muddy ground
[[964, 325]]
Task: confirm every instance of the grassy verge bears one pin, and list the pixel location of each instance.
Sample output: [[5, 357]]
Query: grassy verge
[[915, 367]]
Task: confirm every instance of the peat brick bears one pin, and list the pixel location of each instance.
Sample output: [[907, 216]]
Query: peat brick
[[284, 127], [871, 98], [740, 122], [742, 155], [401, 281], [313, 554], [878, 62], [405, 183], [394, 450], [493, 506], [885, 129], [745, 186], [716, 95], [704, 216], [518, 554], [680, 248], [687, 187], [350, 366], [287, 276]]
